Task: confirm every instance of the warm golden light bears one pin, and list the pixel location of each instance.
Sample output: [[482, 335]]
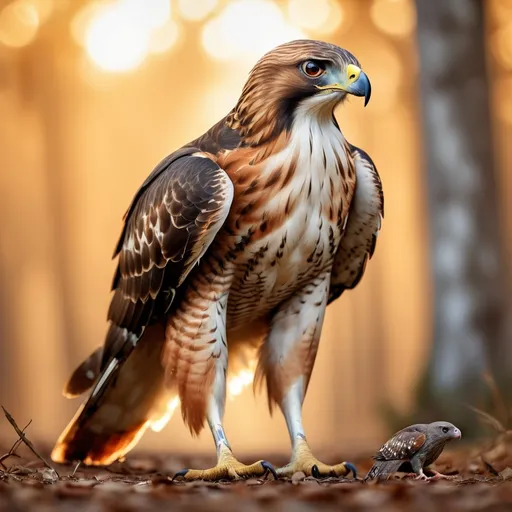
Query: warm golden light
[[152, 14], [235, 385], [163, 38], [196, 10], [118, 35], [504, 99], [238, 382], [19, 22], [83, 19], [115, 41], [501, 46], [500, 11], [394, 17], [158, 424], [322, 16], [384, 65], [247, 28], [44, 8]]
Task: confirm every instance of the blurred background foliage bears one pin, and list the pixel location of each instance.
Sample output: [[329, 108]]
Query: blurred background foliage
[[94, 93]]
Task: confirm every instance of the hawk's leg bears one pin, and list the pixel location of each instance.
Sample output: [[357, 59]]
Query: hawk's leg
[[287, 361], [196, 359]]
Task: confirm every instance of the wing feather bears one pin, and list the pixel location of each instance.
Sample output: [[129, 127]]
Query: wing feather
[[364, 221], [168, 227], [402, 446]]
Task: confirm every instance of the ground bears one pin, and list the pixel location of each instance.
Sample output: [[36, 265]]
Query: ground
[[483, 482]]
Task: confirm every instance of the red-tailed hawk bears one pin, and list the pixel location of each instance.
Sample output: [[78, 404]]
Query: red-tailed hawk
[[239, 239]]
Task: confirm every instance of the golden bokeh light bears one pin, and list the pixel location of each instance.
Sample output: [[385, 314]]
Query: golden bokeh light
[[44, 8], [230, 37], [394, 17], [83, 19], [118, 35], [196, 10], [322, 16], [115, 40], [19, 22], [152, 14], [163, 38]]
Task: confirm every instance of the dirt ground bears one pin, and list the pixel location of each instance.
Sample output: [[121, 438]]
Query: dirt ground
[[482, 482]]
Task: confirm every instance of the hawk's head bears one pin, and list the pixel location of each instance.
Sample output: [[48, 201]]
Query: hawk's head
[[310, 74]]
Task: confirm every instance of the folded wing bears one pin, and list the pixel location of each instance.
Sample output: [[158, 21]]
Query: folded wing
[[172, 221], [363, 225]]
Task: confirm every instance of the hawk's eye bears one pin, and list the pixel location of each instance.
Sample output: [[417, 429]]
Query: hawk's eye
[[313, 69], [445, 430]]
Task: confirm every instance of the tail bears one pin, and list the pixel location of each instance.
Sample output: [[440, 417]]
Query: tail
[[383, 469], [85, 375], [129, 397]]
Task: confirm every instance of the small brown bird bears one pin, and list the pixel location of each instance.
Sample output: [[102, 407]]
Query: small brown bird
[[412, 449]]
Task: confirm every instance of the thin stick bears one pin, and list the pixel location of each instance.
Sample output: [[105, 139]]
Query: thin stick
[[76, 468], [14, 447], [23, 437]]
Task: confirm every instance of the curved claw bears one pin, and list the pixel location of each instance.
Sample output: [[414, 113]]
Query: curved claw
[[266, 465], [351, 468], [315, 472], [181, 473]]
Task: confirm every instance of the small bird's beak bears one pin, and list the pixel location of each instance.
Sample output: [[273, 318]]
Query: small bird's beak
[[457, 434], [355, 82]]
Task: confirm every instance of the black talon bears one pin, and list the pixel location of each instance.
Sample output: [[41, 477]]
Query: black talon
[[350, 468], [315, 472], [182, 473], [266, 465]]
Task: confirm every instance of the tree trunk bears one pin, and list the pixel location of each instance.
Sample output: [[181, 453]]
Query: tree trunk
[[470, 278]]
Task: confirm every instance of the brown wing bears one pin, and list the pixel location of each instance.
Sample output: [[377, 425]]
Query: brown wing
[[404, 445], [363, 225], [169, 226]]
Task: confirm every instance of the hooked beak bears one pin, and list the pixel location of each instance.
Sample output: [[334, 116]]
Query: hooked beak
[[457, 434], [356, 82]]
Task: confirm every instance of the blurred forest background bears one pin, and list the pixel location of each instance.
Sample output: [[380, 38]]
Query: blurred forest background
[[94, 93]]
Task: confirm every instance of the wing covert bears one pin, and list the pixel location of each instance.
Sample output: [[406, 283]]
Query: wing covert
[[402, 446], [169, 226]]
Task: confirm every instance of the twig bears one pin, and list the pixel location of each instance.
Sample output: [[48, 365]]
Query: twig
[[489, 419], [72, 475], [23, 437], [14, 447]]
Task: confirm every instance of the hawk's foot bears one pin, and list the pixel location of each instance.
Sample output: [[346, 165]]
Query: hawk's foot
[[303, 460], [228, 468]]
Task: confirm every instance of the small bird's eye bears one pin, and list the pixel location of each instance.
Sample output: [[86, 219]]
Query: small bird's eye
[[313, 69], [445, 430]]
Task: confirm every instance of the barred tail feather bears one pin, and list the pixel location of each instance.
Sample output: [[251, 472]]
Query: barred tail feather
[[383, 469], [127, 398]]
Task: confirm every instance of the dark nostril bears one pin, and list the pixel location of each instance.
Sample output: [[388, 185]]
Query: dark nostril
[[352, 76]]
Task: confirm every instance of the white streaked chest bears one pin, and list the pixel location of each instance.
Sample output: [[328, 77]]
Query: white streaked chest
[[272, 267]]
